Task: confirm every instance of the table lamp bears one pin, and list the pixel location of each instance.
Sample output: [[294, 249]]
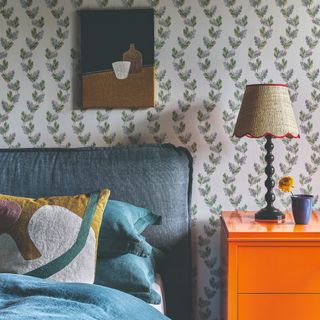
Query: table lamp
[[266, 111]]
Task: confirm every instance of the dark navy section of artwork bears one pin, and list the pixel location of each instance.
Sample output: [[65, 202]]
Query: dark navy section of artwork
[[107, 34]]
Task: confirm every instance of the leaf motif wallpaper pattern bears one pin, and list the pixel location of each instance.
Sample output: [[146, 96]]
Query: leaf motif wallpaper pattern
[[206, 51]]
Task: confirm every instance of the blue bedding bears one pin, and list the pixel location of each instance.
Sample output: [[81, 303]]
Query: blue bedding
[[24, 297]]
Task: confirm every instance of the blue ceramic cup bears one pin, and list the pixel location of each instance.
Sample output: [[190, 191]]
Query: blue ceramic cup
[[302, 208]]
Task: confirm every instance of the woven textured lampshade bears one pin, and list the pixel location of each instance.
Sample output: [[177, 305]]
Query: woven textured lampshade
[[266, 110]]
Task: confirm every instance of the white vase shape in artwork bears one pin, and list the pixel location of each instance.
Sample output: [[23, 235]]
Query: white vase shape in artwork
[[121, 69]]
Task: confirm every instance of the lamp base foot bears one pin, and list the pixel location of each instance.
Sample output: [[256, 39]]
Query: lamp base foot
[[272, 215]]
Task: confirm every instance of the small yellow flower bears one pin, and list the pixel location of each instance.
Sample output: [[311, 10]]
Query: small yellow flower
[[286, 184]]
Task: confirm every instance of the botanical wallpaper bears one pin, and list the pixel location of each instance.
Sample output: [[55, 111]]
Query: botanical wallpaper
[[206, 51]]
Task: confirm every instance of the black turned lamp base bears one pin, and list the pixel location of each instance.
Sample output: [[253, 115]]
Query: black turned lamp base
[[270, 215]]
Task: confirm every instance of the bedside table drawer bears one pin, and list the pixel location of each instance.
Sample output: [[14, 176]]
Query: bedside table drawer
[[278, 269], [278, 306]]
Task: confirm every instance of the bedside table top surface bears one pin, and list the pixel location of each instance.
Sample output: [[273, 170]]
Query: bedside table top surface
[[241, 225]]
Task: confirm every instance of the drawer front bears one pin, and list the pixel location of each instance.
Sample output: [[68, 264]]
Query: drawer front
[[278, 306], [278, 269]]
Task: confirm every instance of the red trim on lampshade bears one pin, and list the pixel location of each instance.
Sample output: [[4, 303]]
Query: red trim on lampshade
[[268, 84], [287, 135]]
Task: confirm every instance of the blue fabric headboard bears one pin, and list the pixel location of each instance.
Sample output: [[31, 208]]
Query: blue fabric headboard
[[157, 177]]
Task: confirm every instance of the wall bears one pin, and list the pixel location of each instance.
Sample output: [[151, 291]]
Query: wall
[[206, 52]]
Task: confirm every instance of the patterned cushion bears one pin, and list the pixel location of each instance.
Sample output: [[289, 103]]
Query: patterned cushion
[[54, 237]]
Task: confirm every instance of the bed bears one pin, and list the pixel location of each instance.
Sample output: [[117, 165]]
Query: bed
[[157, 177]]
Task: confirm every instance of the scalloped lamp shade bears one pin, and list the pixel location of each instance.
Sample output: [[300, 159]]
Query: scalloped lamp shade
[[266, 110]]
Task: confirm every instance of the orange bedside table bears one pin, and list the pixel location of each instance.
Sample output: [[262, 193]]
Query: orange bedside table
[[273, 270]]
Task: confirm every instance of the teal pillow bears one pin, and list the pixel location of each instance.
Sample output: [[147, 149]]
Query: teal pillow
[[129, 273], [121, 229]]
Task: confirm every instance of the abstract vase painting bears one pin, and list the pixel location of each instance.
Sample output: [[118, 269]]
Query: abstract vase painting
[[117, 58]]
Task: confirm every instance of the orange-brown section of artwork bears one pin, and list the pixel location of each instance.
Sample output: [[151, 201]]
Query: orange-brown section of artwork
[[104, 90]]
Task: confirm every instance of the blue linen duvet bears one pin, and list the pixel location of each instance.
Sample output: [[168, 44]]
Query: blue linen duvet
[[24, 297]]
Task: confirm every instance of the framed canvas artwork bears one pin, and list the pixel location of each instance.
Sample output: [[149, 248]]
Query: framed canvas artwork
[[117, 58]]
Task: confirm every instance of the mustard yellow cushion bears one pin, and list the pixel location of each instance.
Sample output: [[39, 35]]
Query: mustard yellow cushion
[[54, 237]]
